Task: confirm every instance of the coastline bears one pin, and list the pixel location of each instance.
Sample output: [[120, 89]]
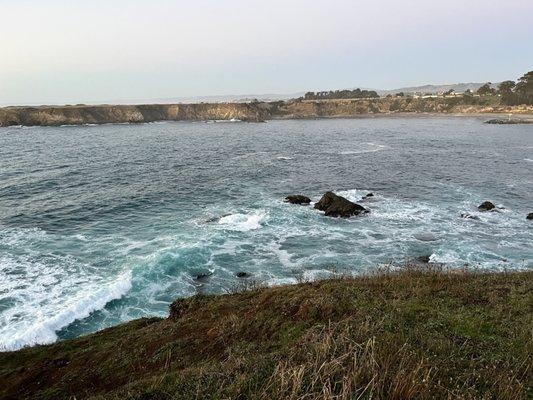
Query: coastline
[[250, 111], [430, 332]]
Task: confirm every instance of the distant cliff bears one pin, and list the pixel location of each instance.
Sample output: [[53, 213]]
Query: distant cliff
[[104, 114], [389, 105], [251, 112]]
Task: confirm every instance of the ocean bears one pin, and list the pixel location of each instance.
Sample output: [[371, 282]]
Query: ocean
[[103, 224]]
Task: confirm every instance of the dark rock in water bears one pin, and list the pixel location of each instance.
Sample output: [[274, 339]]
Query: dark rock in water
[[529, 216], [509, 121], [297, 199], [367, 196], [215, 219], [486, 206], [242, 274], [469, 216], [423, 259], [338, 206]]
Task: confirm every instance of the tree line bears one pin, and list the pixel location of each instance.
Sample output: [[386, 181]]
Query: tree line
[[512, 93], [341, 94]]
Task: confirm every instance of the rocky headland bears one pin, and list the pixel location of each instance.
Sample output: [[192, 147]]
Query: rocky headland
[[245, 111]]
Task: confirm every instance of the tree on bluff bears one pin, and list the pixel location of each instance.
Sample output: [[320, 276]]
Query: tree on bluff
[[486, 89], [524, 89], [519, 93], [505, 90]]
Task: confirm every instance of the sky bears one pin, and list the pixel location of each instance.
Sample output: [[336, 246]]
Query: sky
[[76, 51]]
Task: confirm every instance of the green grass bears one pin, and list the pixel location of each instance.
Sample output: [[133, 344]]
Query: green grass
[[395, 335]]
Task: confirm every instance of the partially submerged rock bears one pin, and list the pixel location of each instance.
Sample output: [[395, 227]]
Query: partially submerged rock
[[469, 216], [217, 218], [508, 121], [338, 206], [242, 274], [203, 276], [530, 216], [486, 206], [425, 259], [298, 199], [368, 196]]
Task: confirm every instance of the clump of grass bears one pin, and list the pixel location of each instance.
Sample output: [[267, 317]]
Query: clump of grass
[[410, 333]]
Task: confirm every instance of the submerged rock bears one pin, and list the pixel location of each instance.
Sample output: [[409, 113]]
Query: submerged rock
[[338, 206], [203, 276], [242, 274], [486, 206], [297, 199], [426, 237], [216, 219], [529, 216]]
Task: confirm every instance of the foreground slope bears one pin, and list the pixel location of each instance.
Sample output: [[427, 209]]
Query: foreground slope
[[413, 334]]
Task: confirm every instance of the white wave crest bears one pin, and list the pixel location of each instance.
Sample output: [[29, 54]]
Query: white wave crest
[[42, 328], [368, 147], [242, 222], [353, 194]]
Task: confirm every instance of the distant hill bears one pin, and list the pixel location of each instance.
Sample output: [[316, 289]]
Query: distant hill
[[433, 89], [238, 98]]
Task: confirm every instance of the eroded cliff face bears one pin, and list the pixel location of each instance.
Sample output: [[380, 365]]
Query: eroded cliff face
[[252, 112], [353, 108], [78, 115]]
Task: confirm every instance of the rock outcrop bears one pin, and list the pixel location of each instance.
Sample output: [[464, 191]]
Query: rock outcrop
[[338, 206], [486, 206], [298, 199]]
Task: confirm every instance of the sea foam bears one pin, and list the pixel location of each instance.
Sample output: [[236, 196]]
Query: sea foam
[[43, 292], [242, 222], [39, 326]]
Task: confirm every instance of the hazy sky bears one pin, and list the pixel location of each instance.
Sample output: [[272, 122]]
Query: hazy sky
[[59, 51]]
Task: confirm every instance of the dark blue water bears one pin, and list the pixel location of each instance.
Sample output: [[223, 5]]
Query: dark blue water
[[102, 224]]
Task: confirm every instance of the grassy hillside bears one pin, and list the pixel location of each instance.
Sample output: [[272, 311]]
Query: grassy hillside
[[411, 334]]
